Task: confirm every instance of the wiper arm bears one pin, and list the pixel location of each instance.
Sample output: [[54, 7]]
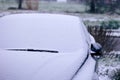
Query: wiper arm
[[34, 50]]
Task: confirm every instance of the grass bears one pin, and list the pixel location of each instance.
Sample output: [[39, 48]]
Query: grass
[[48, 6], [108, 66], [4, 5], [110, 60], [113, 24], [61, 7]]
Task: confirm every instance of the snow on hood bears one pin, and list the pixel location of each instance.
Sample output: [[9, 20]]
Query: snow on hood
[[16, 65]]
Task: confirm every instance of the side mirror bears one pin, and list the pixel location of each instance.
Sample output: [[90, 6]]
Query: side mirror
[[96, 49]]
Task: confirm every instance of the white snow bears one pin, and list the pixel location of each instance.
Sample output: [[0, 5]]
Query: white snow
[[61, 0], [88, 70], [41, 31], [44, 66], [115, 32], [108, 66], [45, 31]]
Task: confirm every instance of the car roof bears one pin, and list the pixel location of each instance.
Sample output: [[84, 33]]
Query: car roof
[[41, 31]]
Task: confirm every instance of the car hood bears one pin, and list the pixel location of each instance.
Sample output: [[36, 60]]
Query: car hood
[[21, 65]]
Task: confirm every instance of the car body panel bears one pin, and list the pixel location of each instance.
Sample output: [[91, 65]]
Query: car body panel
[[49, 32], [17, 65], [88, 70]]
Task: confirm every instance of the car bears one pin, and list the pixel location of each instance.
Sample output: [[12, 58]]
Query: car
[[44, 46]]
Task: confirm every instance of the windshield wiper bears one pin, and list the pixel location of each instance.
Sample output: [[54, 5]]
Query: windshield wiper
[[34, 50]]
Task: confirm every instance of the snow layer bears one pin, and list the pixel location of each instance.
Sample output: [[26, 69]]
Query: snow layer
[[108, 65], [44, 66]]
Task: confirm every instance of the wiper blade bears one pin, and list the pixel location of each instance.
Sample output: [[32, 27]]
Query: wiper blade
[[34, 50]]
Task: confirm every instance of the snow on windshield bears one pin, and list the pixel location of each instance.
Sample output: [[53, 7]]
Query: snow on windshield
[[41, 31]]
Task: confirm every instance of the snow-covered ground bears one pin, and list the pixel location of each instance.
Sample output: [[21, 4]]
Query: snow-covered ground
[[108, 65], [115, 33]]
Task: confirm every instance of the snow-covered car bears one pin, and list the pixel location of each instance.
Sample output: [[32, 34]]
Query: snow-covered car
[[41, 46]]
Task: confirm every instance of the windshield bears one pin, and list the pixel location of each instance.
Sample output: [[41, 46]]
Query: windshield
[[41, 31]]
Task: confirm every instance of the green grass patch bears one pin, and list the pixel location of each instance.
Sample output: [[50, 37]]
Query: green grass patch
[[61, 7], [45, 6], [109, 24]]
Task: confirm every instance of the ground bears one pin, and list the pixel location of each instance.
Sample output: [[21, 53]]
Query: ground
[[108, 66]]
